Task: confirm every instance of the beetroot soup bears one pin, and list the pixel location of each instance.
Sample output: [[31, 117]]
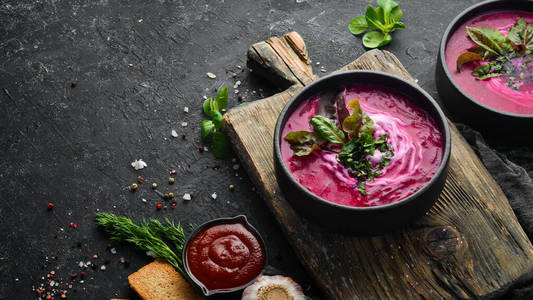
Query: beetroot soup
[[415, 142], [500, 92]]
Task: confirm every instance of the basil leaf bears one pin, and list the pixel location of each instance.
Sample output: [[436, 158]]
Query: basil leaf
[[207, 128], [367, 126], [216, 116], [489, 76], [304, 142], [490, 39], [387, 6], [208, 106], [528, 38], [352, 123], [358, 25], [398, 25], [516, 33], [466, 57], [396, 14], [372, 19], [221, 101], [221, 145], [374, 39], [481, 70], [327, 129]]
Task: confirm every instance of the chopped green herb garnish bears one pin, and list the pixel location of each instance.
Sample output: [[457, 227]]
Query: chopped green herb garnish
[[507, 57], [354, 146]]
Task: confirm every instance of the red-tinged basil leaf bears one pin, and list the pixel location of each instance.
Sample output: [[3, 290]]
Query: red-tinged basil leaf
[[333, 106], [467, 57], [327, 129], [490, 39], [221, 145], [304, 142], [516, 33]]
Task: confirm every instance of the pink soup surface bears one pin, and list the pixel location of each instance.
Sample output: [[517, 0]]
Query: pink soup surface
[[492, 92], [414, 137]]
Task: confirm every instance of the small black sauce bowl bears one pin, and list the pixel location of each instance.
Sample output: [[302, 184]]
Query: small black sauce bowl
[[362, 220], [196, 283], [490, 121]]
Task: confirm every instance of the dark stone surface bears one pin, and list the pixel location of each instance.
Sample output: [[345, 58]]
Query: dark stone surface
[[75, 114]]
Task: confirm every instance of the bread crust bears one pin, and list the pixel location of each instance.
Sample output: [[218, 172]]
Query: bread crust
[[160, 281]]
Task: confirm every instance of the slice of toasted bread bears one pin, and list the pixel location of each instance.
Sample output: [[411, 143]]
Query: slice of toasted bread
[[159, 280]]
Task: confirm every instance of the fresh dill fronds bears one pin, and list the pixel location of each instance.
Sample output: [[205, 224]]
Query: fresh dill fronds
[[148, 236]]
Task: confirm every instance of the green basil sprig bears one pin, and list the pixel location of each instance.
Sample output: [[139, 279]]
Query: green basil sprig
[[382, 20], [354, 142], [212, 107], [493, 47]]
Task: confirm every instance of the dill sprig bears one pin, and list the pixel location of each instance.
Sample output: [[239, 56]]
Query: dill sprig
[[147, 236]]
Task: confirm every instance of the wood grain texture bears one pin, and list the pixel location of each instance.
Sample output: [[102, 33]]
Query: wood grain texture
[[468, 245]]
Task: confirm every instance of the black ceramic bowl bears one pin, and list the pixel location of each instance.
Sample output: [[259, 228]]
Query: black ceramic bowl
[[196, 283], [466, 109], [362, 220]]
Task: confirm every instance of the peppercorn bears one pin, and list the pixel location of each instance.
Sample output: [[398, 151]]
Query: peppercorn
[[201, 149], [63, 296], [234, 160], [231, 187], [95, 256], [140, 179], [173, 204], [171, 195], [166, 196], [173, 172], [82, 274], [50, 205], [253, 188], [171, 180], [154, 185], [133, 186], [158, 206]]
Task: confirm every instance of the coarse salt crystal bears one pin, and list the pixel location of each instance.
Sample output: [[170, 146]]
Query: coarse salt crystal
[[174, 133], [113, 251], [81, 264], [143, 199], [186, 109], [187, 197], [184, 124], [103, 267], [214, 196], [211, 75], [139, 164], [235, 167]]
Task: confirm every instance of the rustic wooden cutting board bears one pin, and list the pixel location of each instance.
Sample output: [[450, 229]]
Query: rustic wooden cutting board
[[468, 245]]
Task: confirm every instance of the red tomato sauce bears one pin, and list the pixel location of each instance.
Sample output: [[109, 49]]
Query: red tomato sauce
[[225, 256]]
